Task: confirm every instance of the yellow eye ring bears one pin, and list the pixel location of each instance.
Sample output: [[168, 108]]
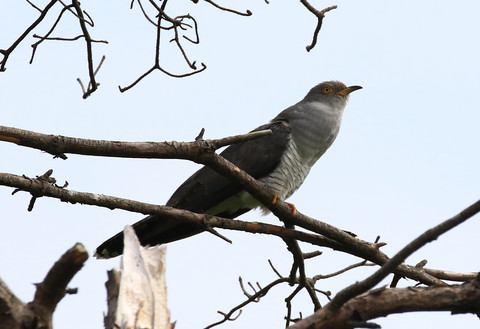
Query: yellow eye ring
[[327, 90]]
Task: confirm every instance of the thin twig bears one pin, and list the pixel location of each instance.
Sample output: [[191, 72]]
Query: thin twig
[[45, 37], [320, 14], [343, 270], [262, 292], [247, 13], [93, 85], [33, 5], [7, 52]]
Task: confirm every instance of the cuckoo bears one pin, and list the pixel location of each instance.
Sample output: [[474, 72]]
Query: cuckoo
[[281, 161]]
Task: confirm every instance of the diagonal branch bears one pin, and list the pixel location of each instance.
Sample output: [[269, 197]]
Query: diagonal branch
[[201, 151], [426, 237], [15, 314], [246, 13], [381, 302], [7, 52]]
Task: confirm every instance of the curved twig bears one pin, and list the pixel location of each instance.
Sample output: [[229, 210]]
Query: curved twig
[[246, 13], [7, 52], [320, 14]]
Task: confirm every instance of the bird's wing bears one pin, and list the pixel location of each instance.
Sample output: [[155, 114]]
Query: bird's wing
[[258, 157], [206, 189]]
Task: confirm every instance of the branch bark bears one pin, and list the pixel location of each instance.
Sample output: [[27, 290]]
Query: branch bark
[[382, 302], [14, 314], [200, 151]]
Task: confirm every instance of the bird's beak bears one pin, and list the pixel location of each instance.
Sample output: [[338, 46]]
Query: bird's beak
[[348, 90]]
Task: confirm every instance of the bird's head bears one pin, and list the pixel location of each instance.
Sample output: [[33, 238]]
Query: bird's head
[[331, 92]]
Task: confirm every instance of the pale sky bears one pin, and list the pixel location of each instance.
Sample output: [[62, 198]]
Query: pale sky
[[407, 156]]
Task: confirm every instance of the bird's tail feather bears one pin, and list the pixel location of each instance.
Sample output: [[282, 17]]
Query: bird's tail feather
[[152, 230]]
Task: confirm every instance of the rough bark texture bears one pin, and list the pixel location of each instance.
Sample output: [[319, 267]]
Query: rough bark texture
[[15, 314], [382, 302]]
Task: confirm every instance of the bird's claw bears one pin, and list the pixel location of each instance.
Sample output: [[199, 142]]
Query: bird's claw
[[275, 198], [292, 207]]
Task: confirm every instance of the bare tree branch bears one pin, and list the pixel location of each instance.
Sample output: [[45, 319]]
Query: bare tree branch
[[381, 302], [229, 316], [177, 25], [7, 52], [320, 14], [247, 13], [38, 313], [92, 85], [58, 145], [202, 152], [428, 236]]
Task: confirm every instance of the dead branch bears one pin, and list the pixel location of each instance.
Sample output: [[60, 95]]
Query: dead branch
[[229, 316], [113, 287], [320, 14], [83, 19], [363, 249], [46, 36], [92, 85], [137, 294], [14, 314], [428, 236], [176, 24], [40, 187], [7, 52], [58, 145], [259, 292], [246, 13], [202, 151], [382, 302], [199, 151]]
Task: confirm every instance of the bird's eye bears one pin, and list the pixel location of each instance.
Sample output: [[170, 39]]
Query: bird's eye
[[327, 90]]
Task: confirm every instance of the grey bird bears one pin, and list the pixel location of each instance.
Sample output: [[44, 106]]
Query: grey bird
[[281, 161]]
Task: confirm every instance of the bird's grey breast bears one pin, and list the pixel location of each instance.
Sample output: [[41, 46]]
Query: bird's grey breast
[[314, 127], [290, 173]]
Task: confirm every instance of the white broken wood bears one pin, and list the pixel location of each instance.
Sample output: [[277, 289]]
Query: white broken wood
[[142, 298]]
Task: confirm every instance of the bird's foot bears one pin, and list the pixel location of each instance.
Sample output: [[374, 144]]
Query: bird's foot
[[275, 198], [292, 206]]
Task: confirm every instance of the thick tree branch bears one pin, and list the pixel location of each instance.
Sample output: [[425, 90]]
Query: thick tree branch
[[54, 286], [428, 236], [14, 314], [361, 248], [58, 145], [40, 187], [201, 151], [382, 302]]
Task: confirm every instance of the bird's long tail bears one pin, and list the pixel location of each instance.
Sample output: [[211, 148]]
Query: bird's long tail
[[152, 230]]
